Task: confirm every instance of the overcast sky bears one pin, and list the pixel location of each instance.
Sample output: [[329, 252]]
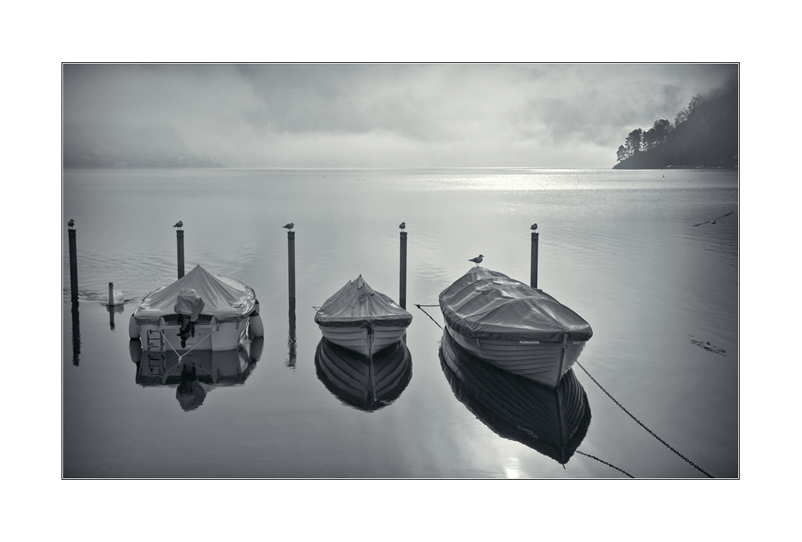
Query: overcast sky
[[389, 115]]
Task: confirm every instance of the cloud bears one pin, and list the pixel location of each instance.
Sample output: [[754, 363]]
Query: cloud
[[388, 114]]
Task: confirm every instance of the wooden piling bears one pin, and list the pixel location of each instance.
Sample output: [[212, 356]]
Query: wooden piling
[[533, 269], [73, 267], [291, 262], [402, 296], [179, 237], [111, 294]]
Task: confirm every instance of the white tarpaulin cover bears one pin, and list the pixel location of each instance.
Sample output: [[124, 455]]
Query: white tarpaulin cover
[[487, 304], [356, 304], [222, 297]]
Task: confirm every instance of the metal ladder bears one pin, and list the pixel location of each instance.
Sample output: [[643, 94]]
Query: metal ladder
[[155, 343]]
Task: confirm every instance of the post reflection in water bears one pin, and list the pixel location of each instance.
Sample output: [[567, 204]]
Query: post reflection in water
[[198, 372], [113, 309], [553, 422], [76, 334], [367, 384], [291, 342]]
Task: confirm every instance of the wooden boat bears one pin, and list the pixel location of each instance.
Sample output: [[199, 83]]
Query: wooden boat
[[361, 319], [365, 384], [201, 311], [553, 422], [515, 327]]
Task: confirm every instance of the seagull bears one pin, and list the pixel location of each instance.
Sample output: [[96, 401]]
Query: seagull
[[402, 225], [712, 221], [179, 224], [71, 223], [289, 226], [533, 227], [477, 260]]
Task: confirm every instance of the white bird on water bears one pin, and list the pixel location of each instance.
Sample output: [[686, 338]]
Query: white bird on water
[[477, 260], [289, 226], [179, 224], [116, 297], [403, 225]]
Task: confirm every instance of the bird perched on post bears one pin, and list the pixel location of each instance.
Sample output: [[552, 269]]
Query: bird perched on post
[[533, 227], [71, 223], [179, 224], [403, 225], [289, 226], [477, 260]]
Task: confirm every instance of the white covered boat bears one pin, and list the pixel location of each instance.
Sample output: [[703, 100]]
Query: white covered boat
[[201, 311], [513, 326], [361, 319]]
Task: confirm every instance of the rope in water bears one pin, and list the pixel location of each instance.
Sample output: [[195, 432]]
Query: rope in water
[[666, 444], [605, 462]]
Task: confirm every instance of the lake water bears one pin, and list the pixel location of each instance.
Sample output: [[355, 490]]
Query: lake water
[[618, 247]]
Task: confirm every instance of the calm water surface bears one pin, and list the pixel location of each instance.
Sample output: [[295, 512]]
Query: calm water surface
[[619, 248]]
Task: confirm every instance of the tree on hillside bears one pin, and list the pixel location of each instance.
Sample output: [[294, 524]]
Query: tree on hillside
[[633, 141], [622, 153]]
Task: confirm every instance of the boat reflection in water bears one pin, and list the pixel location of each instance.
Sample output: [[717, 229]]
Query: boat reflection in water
[[364, 383], [551, 421], [198, 372]]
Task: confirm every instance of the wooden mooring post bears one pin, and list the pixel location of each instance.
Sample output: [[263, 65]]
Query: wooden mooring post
[[291, 262], [179, 238], [533, 270], [73, 266], [402, 295]]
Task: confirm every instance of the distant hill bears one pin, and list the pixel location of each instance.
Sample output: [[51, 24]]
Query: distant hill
[[88, 146], [705, 134]]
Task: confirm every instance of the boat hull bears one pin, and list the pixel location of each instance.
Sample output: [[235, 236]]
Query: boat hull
[[209, 335], [542, 362], [364, 340]]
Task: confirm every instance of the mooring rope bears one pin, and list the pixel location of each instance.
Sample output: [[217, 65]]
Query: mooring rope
[[429, 315], [666, 444], [181, 356], [605, 462]]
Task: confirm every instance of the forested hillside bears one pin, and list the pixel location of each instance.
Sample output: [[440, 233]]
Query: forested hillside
[[705, 134]]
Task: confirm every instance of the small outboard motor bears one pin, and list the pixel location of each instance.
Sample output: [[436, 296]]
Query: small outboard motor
[[188, 306]]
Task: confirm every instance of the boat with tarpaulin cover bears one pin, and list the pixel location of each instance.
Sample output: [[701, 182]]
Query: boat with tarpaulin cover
[[361, 319], [513, 326], [201, 310]]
